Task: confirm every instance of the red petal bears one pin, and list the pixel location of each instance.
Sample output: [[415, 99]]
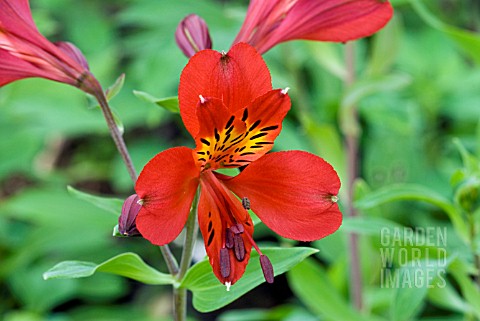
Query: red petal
[[236, 78], [271, 22], [293, 193], [336, 20], [73, 52], [13, 68], [18, 29], [167, 186], [15, 14], [216, 208]]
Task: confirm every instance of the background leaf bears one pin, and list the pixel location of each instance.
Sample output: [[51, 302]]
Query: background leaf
[[129, 265], [209, 294]]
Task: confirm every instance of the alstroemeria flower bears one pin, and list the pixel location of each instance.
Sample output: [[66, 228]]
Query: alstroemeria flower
[[270, 22], [25, 53], [228, 106]]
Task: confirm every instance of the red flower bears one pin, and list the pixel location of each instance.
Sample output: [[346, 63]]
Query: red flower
[[25, 53], [270, 22], [228, 106]]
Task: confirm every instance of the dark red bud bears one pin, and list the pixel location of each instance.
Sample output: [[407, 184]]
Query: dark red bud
[[127, 221], [192, 35], [267, 268], [224, 263]]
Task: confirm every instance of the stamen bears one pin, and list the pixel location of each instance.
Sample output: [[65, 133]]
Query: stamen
[[267, 268], [228, 238], [202, 99], [239, 247], [140, 202], [237, 228], [224, 53], [224, 263], [246, 203], [228, 285], [285, 91], [334, 198]]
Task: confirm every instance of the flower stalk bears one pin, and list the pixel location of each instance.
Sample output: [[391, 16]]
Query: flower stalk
[[116, 135], [351, 140], [180, 294]]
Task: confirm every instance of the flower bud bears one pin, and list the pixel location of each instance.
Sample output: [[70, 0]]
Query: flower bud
[[192, 35], [127, 221]]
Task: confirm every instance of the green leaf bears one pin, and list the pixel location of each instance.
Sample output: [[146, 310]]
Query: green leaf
[[414, 281], [112, 205], [418, 193], [114, 89], [209, 294], [168, 103], [448, 298], [129, 265], [368, 225], [469, 289], [311, 285], [468, 41]]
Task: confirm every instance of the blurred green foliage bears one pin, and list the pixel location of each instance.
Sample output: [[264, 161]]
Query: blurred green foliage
[[418, 98]]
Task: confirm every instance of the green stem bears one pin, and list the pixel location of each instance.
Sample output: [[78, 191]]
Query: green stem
[[180, 294], [351, 139], [172, 264], [116, 135]]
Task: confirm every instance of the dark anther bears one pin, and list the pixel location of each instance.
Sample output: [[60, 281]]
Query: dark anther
[[267, 268], [246, 203], [224, 263], [237, 228], [228, 238], [239, 247]]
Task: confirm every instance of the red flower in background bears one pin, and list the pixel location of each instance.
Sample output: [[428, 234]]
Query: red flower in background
[[25, 53], [270, 22], [228, 106]]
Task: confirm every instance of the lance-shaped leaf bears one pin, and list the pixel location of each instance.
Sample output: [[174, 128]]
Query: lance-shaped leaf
[[109, 204], [209, 294], [129, 265]]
